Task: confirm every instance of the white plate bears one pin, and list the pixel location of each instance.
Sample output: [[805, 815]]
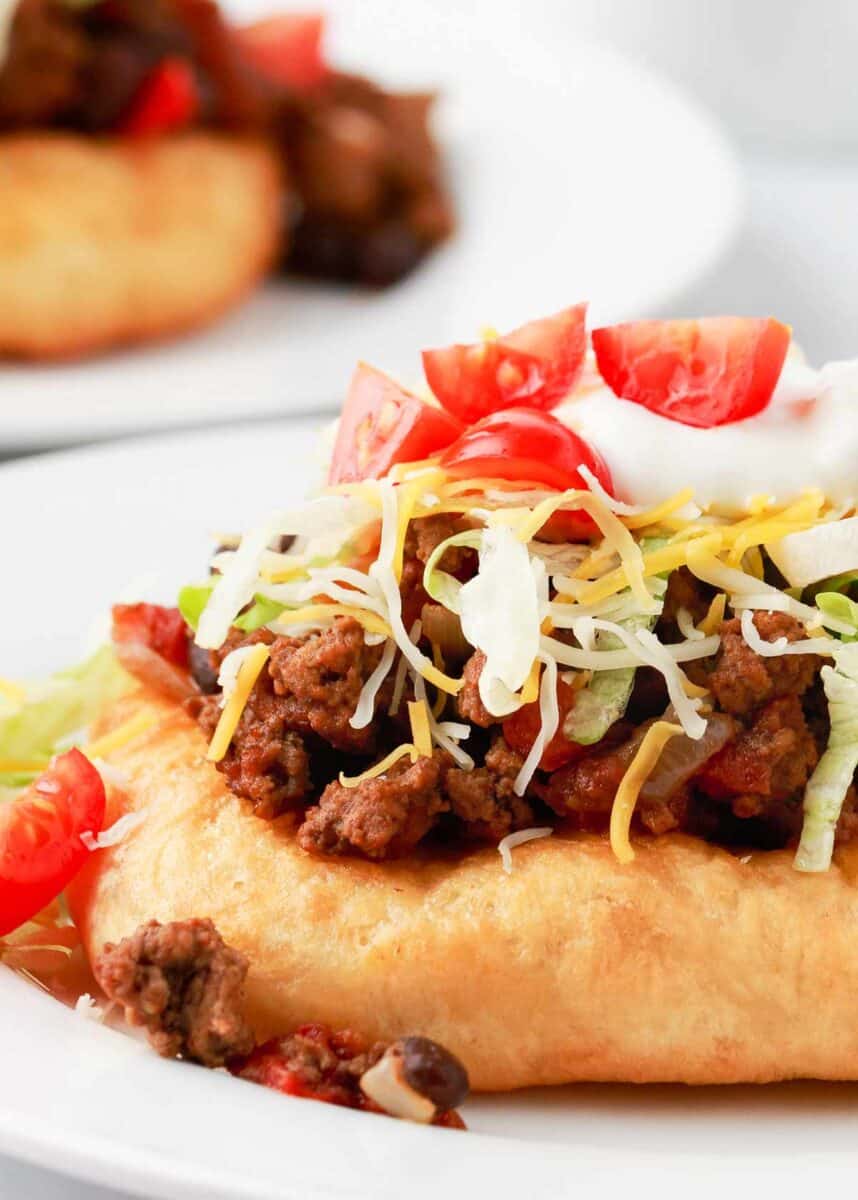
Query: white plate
[[91, 1102], [578, 175]]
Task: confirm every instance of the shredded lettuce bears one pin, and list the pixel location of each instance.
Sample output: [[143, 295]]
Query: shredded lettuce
[[442, 587], [192, 600], [55, 710], [605, 698], [835, 604], [829, 783], [603, 701]]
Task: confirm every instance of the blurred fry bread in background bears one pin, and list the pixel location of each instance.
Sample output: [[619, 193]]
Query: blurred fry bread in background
[[108, 242]]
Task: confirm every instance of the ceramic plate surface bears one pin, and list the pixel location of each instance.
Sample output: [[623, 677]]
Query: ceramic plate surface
[[81, 528], [578, 175]]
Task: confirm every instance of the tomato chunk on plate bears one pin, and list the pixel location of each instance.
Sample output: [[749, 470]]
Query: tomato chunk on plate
[[704, 373], [535, 366], [522, 728], [40, 846], [286, 49], [383, 424], [527, 446]]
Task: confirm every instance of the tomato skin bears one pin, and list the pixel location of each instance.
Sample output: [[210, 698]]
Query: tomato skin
[[523, 445], [40, 846], [535, 366], [703, 373], [286, 49], [168, 100], [521, 729], [161, 629], [383, 424]]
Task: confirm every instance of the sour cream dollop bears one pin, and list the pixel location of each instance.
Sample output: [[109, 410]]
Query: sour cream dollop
[[807, 437]]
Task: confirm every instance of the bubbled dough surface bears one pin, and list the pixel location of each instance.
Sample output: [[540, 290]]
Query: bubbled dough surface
[[106, 242], [687, 965]]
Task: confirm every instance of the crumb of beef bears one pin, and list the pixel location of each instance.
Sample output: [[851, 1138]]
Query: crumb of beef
[[184, 985], [318, 681], [265, 763], [41, 78], [742, 680], [484, 799], [314, 1062], [587, 788], [379, 818], [471, 707], [772, 760]]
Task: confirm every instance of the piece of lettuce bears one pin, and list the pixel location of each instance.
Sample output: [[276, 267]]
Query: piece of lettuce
[[827, 787], [193, 599], [55, 710], [839, 606], [605, 698]]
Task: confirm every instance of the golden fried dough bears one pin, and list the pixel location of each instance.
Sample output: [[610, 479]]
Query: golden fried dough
[[104, 243], [688, 965]]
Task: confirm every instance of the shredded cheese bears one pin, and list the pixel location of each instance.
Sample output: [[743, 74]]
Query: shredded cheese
[[421, 734], [22, 766], [320, 613], [365, 707], [714, 618], [639, 770], [507, 844], [119, 737], [353, 781], [231, 715]]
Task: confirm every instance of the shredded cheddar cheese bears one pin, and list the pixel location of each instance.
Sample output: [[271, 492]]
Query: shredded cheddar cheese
[[353, 781], [421, 734], [312, 613], [714, 618], [639, 770], [120, 736], [654, 516], [248, 674]]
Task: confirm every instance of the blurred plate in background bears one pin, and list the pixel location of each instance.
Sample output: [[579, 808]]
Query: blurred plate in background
[[578, 176]]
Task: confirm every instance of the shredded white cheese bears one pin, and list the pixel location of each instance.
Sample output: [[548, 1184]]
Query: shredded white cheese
[[508, 844], [781, 645], [116, 833]]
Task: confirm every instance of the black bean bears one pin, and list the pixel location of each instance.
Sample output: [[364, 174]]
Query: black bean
[[202, 669], [432, 1071]]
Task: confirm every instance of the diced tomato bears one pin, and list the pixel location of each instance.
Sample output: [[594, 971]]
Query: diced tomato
[[383, 424], [161, 629], [521, 729], [535, 366], [286, 49], [168, 100], [40, 846], [704, 373], [523, 445]]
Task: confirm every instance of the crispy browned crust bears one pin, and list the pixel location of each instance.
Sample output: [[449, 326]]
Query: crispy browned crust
[[688, 965], [106, 243]]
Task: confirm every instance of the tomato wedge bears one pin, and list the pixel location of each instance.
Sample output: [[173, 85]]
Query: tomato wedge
[[286, 49], [383, 424], [521, 729], [526, 446], [161, 629], [40, 846], [535, 366], [168, 100], [704, 373]]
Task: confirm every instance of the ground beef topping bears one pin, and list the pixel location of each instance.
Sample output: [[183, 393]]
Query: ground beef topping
[[742, 680], [484, 799], [184, 985], [381, 817]]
